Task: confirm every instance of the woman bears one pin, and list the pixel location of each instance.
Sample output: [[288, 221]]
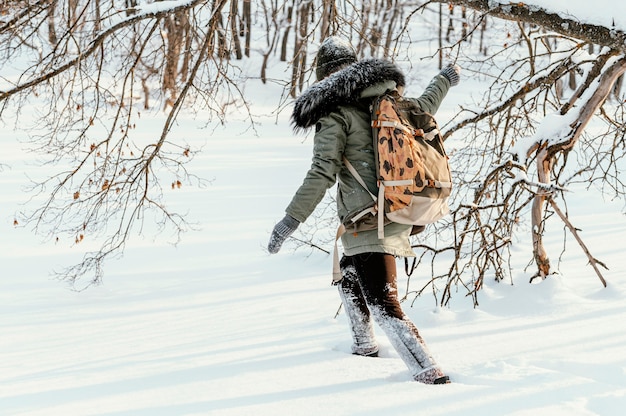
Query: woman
[[338, 105]]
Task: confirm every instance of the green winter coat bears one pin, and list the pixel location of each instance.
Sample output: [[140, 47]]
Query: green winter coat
[[339, 108]]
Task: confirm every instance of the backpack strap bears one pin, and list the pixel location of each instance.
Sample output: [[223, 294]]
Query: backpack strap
[[431, 183], [379, 201], [430, 135], [397, 125], [381, 210], [336, 268], [358, 177]]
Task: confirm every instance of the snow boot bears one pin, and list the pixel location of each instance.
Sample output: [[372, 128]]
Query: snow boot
[[432, 375]]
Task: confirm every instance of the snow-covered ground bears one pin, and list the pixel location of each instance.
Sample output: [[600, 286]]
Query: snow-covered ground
[[217, 326]]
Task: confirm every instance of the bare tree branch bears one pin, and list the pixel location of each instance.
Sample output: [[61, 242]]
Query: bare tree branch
[[592, 260], [522, 12], [95, 44]]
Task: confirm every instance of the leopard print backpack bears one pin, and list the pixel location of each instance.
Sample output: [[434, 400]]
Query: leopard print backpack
[[414, 180]]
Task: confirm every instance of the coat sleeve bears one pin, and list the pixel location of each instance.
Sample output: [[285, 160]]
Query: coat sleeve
[[433, 95], [328, 147]]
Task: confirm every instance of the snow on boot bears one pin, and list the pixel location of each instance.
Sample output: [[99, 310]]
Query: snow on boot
[[364, 351], [432, 375]]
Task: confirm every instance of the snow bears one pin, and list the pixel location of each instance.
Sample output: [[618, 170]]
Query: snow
[[217, 326], [145, 8], [552, 129], [608, 13]]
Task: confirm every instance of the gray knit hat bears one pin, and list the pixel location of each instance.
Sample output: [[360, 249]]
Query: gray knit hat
[[334, 54]]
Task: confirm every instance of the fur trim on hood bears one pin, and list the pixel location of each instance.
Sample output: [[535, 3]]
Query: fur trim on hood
[[342, 87]]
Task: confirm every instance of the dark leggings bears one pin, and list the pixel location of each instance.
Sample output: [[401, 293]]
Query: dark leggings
[[369, 289], [375, 282]]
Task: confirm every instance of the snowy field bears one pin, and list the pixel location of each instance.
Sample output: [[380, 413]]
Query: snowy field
[[217, 326]]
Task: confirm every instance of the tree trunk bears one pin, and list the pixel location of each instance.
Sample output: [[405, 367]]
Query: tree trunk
[[97, 24], [328, 16], [234, 32], [247, 25], [71, 12], [546, 154], [440, 37], [544, 167], [286, 30], [52, 34], [450, 29], [391, 16], [174, 28], [299, 53]]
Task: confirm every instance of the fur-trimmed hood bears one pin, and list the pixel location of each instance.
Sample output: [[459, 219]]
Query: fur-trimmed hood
[[342, 87]]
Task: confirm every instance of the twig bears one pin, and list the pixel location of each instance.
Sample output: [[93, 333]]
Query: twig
[[593, 261], [308, 243], [338, 311]]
